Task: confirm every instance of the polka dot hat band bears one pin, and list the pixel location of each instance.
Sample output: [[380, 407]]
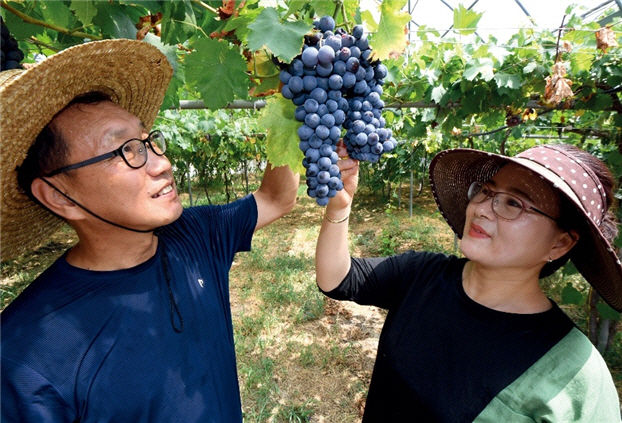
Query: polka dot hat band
[[453, 171]]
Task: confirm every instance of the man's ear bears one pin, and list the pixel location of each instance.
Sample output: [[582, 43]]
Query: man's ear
[[54, 200], [566, 241]]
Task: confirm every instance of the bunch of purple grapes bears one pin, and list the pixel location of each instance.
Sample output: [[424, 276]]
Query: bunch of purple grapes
[[11, 53], [336, 86]]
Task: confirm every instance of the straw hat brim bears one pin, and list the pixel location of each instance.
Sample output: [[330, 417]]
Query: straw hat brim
[[134, 74], [453, 171]]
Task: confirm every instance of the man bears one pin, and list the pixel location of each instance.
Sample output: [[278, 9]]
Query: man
[[133, 323]]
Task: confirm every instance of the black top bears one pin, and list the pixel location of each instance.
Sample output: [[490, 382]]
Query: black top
[[441, 357]]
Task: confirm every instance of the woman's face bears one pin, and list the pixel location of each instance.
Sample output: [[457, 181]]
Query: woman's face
[[525, 243]]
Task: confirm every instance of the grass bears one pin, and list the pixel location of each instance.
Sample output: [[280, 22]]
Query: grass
[[301, 356]]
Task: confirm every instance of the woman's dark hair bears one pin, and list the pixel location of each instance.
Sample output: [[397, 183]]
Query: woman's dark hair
[[573, 220], [50, 149]]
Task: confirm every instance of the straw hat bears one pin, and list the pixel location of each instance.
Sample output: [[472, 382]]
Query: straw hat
[[453, 171], [134, 74]]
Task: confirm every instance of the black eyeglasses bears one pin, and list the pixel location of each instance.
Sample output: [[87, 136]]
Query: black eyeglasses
[[133, 152], [504, 205]]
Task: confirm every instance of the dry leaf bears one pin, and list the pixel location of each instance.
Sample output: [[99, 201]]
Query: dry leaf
[[148, 23], [605, 38], [557, 87], [567, 46], [529, 114]]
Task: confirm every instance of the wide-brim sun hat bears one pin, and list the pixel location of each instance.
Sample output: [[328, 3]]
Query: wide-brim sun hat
[[453, 171], [134, 74]]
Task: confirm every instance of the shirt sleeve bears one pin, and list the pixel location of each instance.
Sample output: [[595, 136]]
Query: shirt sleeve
[[27, 397], [384, 281]]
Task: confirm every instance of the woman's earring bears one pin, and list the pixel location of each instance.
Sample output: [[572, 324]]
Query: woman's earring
[[549, 261]]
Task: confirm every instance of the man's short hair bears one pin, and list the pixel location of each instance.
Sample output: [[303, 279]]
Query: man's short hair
[[50, 149]]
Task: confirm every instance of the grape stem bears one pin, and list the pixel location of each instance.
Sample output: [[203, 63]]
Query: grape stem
[[206, 6]]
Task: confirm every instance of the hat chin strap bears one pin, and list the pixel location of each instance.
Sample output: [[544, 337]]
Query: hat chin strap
[[92, 213]]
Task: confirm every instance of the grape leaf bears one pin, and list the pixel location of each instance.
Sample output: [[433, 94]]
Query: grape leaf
[[294, 6], [438, 93], [114, 21], [581, 61], [570, 295], [465, 20], [178, 21], [85, 11], [284, 39], [217, 71], [507, 80], [368, 19], [480, 66], [281, 142], [323, 8], [530, 67], [390, 38], [57, 12], [606, 312]]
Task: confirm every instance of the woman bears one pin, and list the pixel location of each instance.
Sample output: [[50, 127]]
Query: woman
[[476, 338]]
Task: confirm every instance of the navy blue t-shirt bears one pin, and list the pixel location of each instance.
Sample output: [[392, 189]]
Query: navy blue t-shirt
[[90, 346]]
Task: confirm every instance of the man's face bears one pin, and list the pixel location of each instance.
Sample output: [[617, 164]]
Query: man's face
[[143, 198]]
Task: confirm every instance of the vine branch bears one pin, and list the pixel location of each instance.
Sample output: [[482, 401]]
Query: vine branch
[[31, 20]]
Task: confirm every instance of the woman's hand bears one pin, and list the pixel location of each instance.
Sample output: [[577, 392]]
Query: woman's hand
[[340, 204]]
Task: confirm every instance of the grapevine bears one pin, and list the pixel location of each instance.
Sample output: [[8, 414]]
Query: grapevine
[[336, 86], [11, 53]]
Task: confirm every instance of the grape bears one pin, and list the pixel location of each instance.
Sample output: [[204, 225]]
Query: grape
[[357, 31], [327, 23], [11, 53], [344, 54], [331, 104], [352, 64], [309, 83], [334, 42], [322, 190], [322, 131], [320, 95], [323, 177], [325, 55], [315, 141], [322, 201], [335, 82], [349, 80], [284, 76], [336, 85], [304, 132], [325, 70], [312, 155], [312, 120], [295, 84], [310, 105], [310, 56], [328, 120], [324, 163], [339, 67], [325, 151]]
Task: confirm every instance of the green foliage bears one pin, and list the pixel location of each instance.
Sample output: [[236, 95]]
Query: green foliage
[[278, 118], [220, 52], [216, 70]]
